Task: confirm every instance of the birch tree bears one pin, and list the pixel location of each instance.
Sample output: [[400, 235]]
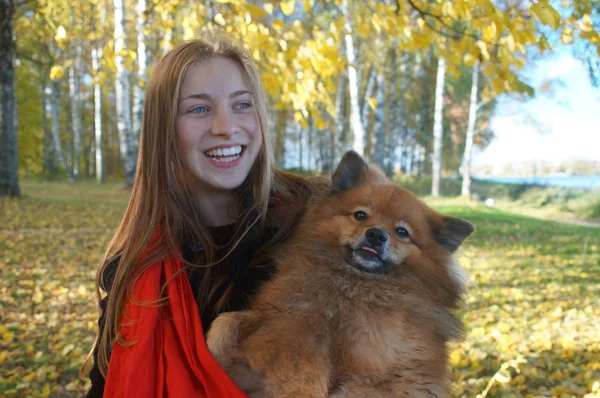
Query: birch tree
[[55, 126], [142, 69], [75, 93], [9, 173], [466, 163], [380, 120], [126, 140], [438, 128], [99, 149], [358, 131]]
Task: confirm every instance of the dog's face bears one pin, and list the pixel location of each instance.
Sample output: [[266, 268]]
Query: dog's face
[[379, 228]]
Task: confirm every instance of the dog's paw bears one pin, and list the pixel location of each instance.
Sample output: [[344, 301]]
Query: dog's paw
[[223, 335]]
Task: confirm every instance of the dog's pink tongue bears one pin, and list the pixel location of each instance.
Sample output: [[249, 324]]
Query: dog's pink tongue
[[369, 249]]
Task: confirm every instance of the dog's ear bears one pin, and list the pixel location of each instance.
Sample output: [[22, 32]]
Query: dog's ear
[[349, 173], [452, 232]]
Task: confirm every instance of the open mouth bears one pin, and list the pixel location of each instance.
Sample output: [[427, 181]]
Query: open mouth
[[226, 155], [367, 259]]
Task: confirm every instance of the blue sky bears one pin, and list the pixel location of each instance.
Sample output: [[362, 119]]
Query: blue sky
[[569, 122]]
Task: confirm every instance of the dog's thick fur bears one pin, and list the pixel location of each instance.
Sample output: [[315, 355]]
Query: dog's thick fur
[[362, 302]]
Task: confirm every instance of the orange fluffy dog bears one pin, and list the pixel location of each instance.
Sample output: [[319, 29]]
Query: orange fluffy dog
[[362, 302]]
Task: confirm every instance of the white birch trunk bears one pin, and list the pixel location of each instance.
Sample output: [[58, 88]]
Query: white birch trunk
[[75, 92], [55, 126], [9, 162], [438, 128], [358, 131], [466, 162], [142, 70], [380, 121], [339, 119], [99, 154], [365, 109], [126, 140], [46, 141]]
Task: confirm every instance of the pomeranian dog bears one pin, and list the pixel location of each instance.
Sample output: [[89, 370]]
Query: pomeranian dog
[[362, 301]]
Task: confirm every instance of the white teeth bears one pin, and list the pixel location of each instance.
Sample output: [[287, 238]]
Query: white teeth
[[227, 159], [235, 150]]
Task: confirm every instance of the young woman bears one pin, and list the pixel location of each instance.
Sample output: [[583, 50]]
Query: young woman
[[206, 208]]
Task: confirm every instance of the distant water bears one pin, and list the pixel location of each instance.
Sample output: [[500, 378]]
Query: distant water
[[588, 182]]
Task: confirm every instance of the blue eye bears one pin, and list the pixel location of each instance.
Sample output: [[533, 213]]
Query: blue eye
[[200, 109], [243, 105]]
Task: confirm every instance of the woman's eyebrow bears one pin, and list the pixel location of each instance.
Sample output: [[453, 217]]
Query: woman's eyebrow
[[207, 96]]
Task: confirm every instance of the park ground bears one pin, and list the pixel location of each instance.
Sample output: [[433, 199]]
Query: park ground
[[532, 312]]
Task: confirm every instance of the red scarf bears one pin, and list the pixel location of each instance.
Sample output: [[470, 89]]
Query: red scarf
[[169, 357]]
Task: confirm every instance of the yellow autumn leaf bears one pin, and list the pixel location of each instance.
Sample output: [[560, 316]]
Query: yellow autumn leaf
[[268, 7], [372, 103], [483, 50], [287, 7], [546, 14], [448, 9], [57, 72], [219, 19], [278, 24], [509, 40], [61, 34], [256, 12], [566, 36], [489, 32]]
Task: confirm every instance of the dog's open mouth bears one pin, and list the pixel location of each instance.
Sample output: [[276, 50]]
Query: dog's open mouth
[[367, 259]]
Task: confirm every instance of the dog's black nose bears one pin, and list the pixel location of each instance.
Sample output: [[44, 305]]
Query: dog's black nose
[[376, 236]]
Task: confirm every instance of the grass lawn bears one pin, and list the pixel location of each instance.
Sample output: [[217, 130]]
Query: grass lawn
[[533, 310]]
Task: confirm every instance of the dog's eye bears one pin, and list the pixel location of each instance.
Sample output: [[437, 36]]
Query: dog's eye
[[360, 215], [402, 233]]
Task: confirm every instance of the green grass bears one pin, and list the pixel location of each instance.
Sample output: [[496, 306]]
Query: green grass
[[537, 200], [535, 295]]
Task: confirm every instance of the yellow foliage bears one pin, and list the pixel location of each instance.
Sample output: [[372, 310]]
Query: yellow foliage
[[57, 72], [219, 19], [61, 35], [256, 12], [546, 14], [483, 51], [278, 24], [287, 6]]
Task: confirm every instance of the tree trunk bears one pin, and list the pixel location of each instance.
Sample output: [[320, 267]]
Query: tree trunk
[[99, 153], [466, 163], [380, 120], [281, 116], [126, 140], [392, 116], [338, 129], [358, 131], [48, 161], [365, 109], [9, 161], [142, 70], [55, 127], [75, 91], [437, 128]]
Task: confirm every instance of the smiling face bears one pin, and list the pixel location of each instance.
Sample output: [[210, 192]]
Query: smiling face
[[218, 131]]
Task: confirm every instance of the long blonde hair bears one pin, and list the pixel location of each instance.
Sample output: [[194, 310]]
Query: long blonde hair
[[159, 200]]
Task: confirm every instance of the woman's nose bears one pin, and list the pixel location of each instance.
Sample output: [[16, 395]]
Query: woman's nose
[[224, 123]]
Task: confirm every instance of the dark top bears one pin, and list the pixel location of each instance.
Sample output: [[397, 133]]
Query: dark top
[[246, 282]]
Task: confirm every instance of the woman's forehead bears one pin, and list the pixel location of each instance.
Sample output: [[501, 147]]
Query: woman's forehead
[[214, 76]]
